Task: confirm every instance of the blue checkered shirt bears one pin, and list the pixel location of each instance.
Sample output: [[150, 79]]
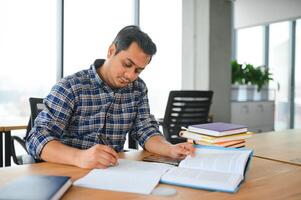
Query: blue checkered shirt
[[82, 110]]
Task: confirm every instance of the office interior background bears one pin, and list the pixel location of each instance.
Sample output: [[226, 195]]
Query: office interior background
[[42, 41]]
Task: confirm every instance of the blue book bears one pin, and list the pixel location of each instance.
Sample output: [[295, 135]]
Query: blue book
[[218, 129], [39, 187], [212, 168]]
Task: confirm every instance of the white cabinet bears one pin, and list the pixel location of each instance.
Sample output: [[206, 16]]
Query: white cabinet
[[257, 115]]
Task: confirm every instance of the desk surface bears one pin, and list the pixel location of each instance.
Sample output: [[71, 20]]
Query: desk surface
[[282, 146], [264, 180], [6, 127]]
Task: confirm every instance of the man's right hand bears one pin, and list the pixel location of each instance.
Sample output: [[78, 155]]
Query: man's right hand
[[98, 156]]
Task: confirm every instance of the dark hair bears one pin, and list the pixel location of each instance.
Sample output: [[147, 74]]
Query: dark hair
[[130, 34]]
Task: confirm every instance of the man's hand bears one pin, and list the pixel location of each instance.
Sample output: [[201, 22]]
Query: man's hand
[[98, 156], [181, 150], [158, 145]]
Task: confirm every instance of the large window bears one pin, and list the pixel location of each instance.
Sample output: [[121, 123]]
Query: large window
[[250, 50], [28, 55], [297, 76], [279, 63], [162, 20], [90, 27]]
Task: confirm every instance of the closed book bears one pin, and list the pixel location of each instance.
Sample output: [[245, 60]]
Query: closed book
[[218, 128], [213, 139], [232, 143], [39, 187]]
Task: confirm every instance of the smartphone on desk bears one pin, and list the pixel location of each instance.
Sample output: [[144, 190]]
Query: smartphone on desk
[[161, 159]]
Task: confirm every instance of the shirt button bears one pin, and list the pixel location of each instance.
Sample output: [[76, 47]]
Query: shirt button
[[108, 115]]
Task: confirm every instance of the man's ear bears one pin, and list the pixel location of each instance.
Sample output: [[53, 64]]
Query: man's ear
[[111, 50]]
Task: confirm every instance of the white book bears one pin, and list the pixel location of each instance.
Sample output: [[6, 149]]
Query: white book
[[128, 176], [213, 168]]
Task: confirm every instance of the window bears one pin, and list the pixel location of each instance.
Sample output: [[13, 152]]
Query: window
[[250, 51], [28, 55], [297, 75], [279, 63], [89, 28], [164, 72]]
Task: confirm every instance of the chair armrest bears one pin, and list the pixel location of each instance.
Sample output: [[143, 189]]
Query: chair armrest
[[19, 140]]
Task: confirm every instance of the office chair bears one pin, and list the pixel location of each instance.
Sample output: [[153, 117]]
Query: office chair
[[36, 106], [185, 107]]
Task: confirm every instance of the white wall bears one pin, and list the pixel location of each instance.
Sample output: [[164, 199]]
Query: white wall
[[207, 51], [259, 12]]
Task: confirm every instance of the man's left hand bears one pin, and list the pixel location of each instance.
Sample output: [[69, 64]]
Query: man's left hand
[[181, 150]]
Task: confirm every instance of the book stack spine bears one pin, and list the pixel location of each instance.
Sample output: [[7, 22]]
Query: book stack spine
[[233, 139]]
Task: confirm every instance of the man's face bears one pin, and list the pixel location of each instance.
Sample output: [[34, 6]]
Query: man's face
[[124, 67]]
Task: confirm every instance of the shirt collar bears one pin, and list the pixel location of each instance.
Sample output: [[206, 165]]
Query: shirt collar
[[97, 64]]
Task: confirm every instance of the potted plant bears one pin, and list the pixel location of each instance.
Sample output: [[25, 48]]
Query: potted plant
[[246, 78], [237, 79], [242, 79], [261, 80]]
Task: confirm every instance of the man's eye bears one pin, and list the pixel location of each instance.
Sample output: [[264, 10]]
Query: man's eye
[[138, 71], [127, 64]]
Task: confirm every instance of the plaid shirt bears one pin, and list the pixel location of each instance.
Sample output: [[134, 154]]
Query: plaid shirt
[[82, 110]]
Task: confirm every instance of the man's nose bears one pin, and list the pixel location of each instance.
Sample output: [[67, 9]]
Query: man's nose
[[131, 74]]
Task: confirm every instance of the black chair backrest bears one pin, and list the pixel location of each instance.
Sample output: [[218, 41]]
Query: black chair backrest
[[36, 106], [185, 107]]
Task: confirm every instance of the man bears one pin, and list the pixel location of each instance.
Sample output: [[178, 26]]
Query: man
[[89, 113]]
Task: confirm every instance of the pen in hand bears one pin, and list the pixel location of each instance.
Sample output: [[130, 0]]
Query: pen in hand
[[104, 142]]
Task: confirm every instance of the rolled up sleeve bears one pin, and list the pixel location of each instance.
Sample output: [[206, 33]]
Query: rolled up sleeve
[[145, 125], [51, 122]]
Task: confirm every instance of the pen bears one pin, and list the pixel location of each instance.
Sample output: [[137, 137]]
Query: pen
[[101, 138], [103, 141]]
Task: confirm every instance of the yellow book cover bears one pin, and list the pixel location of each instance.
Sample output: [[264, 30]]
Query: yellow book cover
[[213, 139]]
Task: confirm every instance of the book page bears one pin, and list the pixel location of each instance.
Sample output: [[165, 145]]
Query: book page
[[128, 176], [218, 159], [202, 179]]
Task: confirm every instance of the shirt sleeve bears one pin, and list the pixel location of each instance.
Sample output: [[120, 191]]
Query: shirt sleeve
[[145, 125], [51, 122]]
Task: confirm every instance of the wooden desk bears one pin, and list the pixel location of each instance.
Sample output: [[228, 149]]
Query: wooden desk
[[284, 146], [6, 130], [265, 180]]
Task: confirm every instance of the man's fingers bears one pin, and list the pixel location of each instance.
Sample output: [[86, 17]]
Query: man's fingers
[[107, 158], [110, 151], [190, 150]]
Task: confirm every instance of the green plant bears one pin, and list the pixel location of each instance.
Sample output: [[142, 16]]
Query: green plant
[[259, 76], [264, 77], [237, 73]]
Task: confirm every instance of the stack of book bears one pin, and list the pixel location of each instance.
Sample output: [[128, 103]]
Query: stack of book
[[217, 134]]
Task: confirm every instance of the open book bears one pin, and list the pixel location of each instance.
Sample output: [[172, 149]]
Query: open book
[[213, 168]]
